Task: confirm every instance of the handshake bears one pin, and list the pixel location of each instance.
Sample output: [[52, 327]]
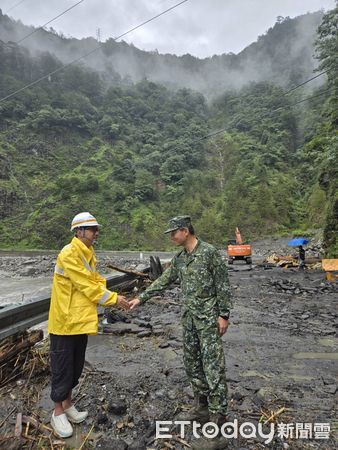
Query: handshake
[[124, 304]]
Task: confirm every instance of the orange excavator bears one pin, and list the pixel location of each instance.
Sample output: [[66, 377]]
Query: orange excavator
[[239, 251]]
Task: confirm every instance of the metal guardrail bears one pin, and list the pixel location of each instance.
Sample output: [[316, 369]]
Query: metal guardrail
[[18, 318]]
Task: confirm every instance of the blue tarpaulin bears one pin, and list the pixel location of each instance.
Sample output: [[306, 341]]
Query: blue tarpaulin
[[298, 241]]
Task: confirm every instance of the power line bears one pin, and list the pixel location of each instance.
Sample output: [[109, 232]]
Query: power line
[[287, 92], [14, 6], [150, 20], [305, 82], [47, 23], [89, 53], [215, 133], [298, 85], [310, 98]]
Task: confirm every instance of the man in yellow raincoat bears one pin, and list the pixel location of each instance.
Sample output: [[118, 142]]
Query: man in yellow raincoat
[[77, 291]]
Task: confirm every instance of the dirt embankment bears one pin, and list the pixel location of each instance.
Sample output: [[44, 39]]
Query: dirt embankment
[[281, 351]]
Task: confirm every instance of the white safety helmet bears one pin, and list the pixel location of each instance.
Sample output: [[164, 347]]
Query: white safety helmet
[[84, 219]]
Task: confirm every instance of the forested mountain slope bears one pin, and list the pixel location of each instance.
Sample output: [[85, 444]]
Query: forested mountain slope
[[135, 153], [284, 55]]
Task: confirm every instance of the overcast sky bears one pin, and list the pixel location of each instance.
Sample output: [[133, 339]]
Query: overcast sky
[[199, 27]]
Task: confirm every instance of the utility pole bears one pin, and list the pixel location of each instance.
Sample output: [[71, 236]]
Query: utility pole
[[98, 34]]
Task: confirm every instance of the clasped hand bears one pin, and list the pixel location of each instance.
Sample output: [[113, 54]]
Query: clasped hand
[[123, 303]]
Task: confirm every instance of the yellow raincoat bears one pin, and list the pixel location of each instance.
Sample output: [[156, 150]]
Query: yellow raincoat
[[76, 292]]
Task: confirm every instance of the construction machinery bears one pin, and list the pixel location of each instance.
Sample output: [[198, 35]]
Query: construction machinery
[[237, 250]]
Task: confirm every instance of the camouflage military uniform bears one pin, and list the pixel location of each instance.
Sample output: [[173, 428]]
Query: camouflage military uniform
[[205, 286]]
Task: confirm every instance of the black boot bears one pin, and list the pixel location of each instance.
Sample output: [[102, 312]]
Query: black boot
[[219, 442], [199, 411]]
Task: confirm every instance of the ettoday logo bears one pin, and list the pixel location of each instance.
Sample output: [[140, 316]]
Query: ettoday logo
[[229, 430], [246, 430]]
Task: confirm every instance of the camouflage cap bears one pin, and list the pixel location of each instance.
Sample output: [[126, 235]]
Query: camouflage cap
[[178, 222]]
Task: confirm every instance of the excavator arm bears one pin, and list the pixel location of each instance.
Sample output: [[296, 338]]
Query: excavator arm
[[238, 237]]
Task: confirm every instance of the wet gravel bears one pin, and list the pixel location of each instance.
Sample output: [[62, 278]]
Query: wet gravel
[[281, 351]]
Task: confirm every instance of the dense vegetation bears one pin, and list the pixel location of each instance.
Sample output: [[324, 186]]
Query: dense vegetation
[[135, 154]]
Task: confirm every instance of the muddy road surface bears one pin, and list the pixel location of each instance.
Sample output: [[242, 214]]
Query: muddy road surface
[[282, 356]]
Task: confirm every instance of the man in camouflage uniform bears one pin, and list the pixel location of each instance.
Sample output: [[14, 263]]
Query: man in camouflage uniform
[[204, 281]]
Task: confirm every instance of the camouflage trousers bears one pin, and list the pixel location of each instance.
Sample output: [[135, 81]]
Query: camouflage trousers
[[204, 361]]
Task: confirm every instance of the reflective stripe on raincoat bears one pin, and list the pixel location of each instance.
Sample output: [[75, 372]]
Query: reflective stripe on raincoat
[[77, 291]]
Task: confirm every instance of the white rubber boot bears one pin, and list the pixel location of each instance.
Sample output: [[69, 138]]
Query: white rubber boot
[[74, 415], [61, 425]]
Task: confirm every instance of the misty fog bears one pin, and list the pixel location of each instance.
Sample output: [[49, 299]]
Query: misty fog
[[279, 57]]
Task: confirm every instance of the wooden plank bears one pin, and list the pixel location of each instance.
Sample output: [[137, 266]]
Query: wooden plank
[[330, 265]]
